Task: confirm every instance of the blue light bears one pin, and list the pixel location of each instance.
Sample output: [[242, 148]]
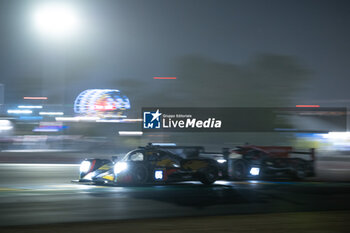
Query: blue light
[[30, 118]]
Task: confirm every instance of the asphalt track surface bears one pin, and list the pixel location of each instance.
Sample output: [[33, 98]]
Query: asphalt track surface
[[40, 194]]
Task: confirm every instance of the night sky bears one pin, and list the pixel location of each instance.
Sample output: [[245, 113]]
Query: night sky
[[125, 44]]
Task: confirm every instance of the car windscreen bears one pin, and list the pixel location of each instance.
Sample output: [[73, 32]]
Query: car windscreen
[[134, 155]]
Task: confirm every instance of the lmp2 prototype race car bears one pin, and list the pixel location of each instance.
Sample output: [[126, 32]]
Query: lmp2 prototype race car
[[263, 162], [150, 164]]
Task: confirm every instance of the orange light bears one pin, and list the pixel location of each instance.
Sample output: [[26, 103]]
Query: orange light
[[307, 106], [164, 77]]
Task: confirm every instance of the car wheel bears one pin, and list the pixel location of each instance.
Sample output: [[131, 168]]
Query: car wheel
[[140, 174], [300, 171], [210, 175], [239, 170]]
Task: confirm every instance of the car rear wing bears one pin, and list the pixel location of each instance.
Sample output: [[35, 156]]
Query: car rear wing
[[280, 151], [311, 152]]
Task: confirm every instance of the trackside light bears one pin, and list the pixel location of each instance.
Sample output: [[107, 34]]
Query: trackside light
[[30, 106], [19, 111], [56, 19], [130, 133]]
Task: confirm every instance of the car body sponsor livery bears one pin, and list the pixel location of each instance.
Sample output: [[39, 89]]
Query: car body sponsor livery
[[150, 164]]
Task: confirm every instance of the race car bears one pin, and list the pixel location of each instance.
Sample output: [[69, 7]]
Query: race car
[[252, 161], [150, 164]]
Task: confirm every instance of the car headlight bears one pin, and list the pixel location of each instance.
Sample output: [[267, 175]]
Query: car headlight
[[255, 171], [119, 167], [85, 166]]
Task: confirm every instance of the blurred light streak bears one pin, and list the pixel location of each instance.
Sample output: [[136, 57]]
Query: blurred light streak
[[30, 118], [121, 116], [38, 150], [50, 127], [253, 181], [109, 121], [5, 125], [41, 164], [163, 144], [5, 122], [337, 135], [35, 98], [73, 119], [118, 120], [222, 182], [77, 119], [307, 106], [45, 130], [51, 113], [130, 133], [50, 123], [30, 106], [132, 120], [19, 111]]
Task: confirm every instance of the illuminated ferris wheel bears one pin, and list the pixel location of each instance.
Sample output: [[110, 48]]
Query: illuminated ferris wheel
[[101, 102]]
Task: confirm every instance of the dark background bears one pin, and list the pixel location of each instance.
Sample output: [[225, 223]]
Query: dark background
[[223, 53]]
